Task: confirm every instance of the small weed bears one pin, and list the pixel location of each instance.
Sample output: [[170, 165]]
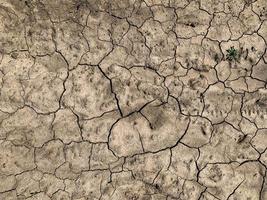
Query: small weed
[[232, 54]]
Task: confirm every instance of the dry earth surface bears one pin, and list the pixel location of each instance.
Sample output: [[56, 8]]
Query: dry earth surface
[[133, 100]]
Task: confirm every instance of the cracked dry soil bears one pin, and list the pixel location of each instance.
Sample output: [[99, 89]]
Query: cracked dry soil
[[133, 100]]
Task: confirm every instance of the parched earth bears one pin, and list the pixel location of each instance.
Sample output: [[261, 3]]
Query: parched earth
[[133, 100]]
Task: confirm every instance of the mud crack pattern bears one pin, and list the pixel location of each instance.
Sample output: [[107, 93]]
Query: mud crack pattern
[[133, 100]]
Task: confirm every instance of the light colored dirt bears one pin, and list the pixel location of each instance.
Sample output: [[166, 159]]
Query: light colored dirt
[[133, 100]]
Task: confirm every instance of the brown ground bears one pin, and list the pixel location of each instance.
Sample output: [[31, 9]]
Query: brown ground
[[133, 100]]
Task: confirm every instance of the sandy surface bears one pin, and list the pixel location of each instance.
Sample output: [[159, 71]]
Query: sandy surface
[[133, 100]]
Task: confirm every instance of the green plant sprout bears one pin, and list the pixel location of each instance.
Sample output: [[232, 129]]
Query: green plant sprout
[[232, 54]]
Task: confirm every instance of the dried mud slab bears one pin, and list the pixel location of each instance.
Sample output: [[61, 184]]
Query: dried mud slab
[[191, 21], [133, 100]]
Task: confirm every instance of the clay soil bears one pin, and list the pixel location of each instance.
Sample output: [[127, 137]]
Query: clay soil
[[133, 100]]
